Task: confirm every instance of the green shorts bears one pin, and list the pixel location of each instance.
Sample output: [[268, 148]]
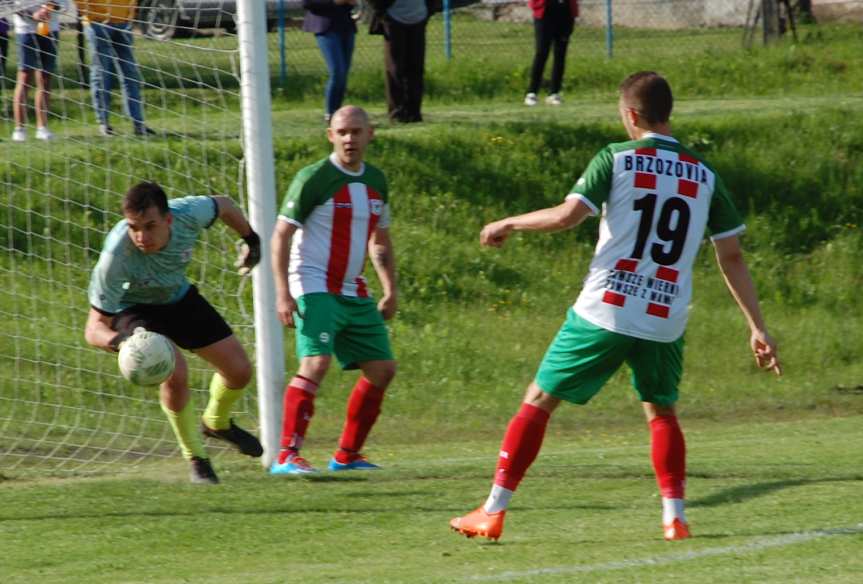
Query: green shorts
[[583, 356], [352, 328]]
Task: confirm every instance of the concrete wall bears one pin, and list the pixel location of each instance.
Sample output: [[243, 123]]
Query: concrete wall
[[668, 14]]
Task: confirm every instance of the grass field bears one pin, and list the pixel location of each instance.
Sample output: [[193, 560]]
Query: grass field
[[92, 489], [773, 502]]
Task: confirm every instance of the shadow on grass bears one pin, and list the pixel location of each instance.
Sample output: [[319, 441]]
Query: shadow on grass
[[743, 493]]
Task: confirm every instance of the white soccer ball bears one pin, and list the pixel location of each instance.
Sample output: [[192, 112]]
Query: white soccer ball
[[146, 358]]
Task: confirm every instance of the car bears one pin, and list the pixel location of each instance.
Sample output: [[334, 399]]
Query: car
[[165, 19]]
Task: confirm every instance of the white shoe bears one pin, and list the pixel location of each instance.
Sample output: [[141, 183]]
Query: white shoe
[[553, 99], [19, 135], [44, 134], [530, 99]]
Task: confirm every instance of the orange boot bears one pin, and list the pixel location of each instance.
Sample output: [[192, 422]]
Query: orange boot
[[478, 522], [676, 530]]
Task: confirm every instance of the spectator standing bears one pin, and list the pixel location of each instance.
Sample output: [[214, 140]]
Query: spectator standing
[[37, 34], [4, 50], [108, 28], [403, 24], [335, 31], [553, 21]]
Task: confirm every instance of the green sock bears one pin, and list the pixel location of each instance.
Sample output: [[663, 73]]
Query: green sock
[[186, 430], [222, 398]]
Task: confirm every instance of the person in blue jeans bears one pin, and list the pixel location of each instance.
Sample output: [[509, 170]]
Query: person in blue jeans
[[335, 30], [108, 28]]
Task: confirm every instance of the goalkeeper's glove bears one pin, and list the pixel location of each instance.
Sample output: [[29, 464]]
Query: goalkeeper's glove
[[117, 341], [250, 253]]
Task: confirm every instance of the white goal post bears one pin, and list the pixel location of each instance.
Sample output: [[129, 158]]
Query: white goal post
[[261, 185]]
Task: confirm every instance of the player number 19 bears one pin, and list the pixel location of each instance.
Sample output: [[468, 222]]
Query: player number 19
[[667, 229]]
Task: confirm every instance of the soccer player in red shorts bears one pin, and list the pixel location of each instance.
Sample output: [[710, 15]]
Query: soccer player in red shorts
[[656, 199]]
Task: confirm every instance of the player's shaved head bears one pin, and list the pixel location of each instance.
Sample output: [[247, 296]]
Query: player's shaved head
[[353, 113], [144, 195], [649, 94]]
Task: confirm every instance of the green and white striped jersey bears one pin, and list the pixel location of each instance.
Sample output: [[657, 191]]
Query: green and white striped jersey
[[336, 212], [657, 199]]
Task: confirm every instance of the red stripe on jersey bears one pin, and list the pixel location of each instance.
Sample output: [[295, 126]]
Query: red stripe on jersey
[[687, 188], [646, 151], [626, 265], [684, 157], [667, 274], [340, 240], [614, 298], [362, 291], [657, 310], [644, 180]]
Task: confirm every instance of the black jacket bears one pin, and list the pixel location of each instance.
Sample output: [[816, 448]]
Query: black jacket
[[326, 16]]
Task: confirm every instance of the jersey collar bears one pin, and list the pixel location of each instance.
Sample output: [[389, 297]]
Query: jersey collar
[[656, 136], [335, 161]]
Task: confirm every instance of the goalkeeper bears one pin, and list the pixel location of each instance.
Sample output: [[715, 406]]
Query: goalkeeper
[[140, 280]]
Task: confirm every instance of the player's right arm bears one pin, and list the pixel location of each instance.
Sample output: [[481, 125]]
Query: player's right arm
[[729, 256], [98, 332], [564, 216], [286, 305]]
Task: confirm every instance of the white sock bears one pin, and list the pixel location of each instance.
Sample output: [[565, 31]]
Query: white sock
[[498, 499], [672, 509]]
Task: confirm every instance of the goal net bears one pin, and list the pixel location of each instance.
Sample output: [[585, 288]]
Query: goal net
[[63, 406]]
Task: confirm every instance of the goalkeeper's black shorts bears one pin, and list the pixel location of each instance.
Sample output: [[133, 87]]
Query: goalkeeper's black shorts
[[192, 322]]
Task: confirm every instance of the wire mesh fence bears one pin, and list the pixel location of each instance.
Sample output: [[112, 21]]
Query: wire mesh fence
[[472, 32]]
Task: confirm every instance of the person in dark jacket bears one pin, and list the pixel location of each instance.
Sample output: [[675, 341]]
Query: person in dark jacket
[[553, 22], [335, 30], [403, 24]]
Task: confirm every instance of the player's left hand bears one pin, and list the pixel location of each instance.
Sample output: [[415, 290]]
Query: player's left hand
[[494, 234], [250, 253], [387, 306]]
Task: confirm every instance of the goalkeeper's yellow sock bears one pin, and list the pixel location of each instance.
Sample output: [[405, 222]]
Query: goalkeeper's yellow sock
[[186, 430], [222, 398]]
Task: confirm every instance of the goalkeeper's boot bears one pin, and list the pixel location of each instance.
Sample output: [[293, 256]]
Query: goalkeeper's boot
[[675, 530], [293, 465], [350, 461], [202, 472], [245, 442], [478, 522]]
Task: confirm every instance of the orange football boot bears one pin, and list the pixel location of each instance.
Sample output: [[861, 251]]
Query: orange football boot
[[675, 530], [478, 522]]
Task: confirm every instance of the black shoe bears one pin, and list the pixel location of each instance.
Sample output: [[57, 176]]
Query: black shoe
[[145, 131], [202, 472], [245, 442]]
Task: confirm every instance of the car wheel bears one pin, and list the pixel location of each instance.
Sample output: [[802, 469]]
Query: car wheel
[[159, 19]]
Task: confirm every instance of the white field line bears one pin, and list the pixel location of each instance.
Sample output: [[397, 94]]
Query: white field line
[[754, 546]]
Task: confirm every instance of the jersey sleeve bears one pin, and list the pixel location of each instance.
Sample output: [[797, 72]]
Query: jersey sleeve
[[299, 200], [594, 186], [107, 284], [202, 210], [723, 219]]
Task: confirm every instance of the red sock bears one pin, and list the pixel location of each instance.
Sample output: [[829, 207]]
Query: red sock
[[668, 450], [520, 445], [299, 406], [364, 405]]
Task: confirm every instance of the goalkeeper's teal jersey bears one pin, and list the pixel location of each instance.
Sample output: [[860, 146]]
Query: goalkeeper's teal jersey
[[124, 276], [657, 200]]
